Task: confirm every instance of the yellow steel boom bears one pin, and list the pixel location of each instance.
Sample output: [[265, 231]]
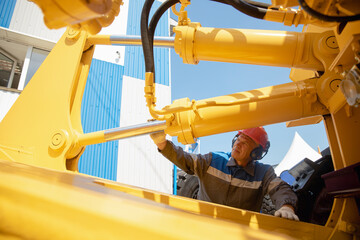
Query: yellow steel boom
[[44, 197]]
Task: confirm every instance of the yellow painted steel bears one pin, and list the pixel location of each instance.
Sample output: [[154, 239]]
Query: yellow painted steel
[[92, 138], [50, 204], [304, 121], [99, 40], [287, 16], [209, 116], [262, 47], [347, 127], [332, 139], [67, 205], [92, 15], [246, 109], [253, 220], [50, 105], [182, 13], [39, 203]]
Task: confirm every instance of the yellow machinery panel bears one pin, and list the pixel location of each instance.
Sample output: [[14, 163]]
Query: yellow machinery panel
[[43, 196]]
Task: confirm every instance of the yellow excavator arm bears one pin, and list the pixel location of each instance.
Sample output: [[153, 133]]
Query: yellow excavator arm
[[44, 197]]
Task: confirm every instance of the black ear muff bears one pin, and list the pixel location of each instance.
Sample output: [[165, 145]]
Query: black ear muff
[[259, 152], [256, 153]]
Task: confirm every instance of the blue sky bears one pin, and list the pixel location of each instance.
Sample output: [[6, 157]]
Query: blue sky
[[211, 79]]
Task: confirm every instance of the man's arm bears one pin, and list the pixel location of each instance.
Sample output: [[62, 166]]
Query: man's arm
[[190, 163], [281, 194]]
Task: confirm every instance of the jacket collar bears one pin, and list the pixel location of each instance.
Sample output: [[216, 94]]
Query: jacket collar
[[250, 168]]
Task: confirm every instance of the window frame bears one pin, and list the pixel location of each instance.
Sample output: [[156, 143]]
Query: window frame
[[12, 73]]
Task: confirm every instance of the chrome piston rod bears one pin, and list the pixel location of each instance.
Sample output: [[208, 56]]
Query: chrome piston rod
[[136, 130], [121, 133], [129, 40]]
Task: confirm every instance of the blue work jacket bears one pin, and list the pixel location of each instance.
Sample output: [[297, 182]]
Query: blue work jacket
[[223, 181]]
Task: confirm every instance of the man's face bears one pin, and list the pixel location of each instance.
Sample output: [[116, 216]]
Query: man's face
[[242, 149]]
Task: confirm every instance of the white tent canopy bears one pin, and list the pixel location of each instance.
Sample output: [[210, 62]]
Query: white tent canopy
[[298, 150]]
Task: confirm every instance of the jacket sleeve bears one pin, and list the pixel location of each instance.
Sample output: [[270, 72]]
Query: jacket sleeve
[[191, 163], [280, 192]]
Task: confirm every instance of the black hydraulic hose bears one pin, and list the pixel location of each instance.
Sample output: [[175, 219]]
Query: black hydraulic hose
[[149, 60], [249, 7], [148, 32], [156, 17], [159, 12], [246, 8], [261, 5], [258, 4], [327, 18], [254, 3]]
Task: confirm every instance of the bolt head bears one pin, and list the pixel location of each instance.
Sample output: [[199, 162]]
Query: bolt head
[[58, 140], [331, 42]]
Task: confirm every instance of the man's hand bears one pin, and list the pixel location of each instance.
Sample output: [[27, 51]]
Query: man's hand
[[159, 139], [286, 211]]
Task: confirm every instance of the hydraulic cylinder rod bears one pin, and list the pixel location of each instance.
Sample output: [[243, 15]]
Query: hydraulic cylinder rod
[[121, 133], [129, 40]]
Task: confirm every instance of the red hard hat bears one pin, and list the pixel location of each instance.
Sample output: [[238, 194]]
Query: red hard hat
[[257, 134]]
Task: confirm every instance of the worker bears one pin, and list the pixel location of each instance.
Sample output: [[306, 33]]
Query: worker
[[236, 178]]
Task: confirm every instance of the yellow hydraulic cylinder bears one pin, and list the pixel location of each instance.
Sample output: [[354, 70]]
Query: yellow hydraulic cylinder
[[242, 110], [59, 14], [261, 47], [92, 15]]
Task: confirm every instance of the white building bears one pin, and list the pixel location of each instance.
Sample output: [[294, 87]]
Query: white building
[[25, 43]]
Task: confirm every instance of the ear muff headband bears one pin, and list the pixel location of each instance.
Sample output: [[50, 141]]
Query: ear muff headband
[[234, 140]]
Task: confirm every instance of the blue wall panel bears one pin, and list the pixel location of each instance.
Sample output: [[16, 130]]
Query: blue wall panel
[[134, 57], [101, 110], [6, 12], [102, 96]]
